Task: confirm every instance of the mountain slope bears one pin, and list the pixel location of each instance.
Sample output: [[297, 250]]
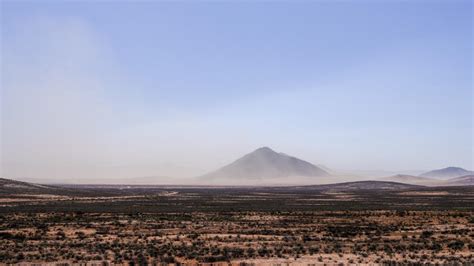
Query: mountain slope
[[447, 173], [265, 163], [9, 186], [14, 188]]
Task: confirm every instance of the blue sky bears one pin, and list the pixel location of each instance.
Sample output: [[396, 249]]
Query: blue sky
[[177, 89]]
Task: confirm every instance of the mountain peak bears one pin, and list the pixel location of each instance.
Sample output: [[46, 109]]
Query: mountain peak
[[454, 168], [264, 149]]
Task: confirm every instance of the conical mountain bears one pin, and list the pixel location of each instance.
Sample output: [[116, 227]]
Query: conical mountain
[[264, 163]]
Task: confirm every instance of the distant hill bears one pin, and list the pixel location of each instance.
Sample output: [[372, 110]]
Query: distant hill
[[360, 185], [410, 179], [447, 173], [264, 163], [467, 180], [9, 186]]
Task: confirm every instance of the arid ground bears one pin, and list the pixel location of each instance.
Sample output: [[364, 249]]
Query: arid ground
[[297, 225]]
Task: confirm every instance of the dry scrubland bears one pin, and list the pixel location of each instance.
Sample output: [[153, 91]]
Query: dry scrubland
[[240, 225], [338, 237]]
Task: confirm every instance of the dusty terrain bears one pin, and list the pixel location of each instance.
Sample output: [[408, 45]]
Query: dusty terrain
[[252, 237], [298, 225]]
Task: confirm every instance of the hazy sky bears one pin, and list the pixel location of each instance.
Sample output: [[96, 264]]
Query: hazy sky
[[116, 90]]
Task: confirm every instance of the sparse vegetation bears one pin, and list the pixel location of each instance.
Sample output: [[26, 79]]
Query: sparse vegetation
[[237, 225]]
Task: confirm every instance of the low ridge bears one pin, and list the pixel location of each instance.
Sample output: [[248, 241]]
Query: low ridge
[[410, 179]]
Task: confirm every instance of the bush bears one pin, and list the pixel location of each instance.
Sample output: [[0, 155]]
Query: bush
[[456, 245]]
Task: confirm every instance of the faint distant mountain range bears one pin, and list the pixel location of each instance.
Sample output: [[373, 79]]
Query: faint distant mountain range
[[264, 163], [360, 185], [467, 180], [375, 173], [410, 179], [462, 180], [447, 173]]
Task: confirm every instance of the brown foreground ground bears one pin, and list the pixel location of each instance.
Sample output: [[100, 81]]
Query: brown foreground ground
[[251, 237], [239, 226]]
